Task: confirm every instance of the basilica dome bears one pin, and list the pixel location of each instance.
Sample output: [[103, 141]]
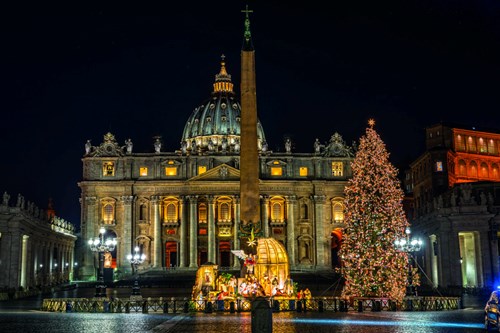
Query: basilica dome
[[214, 126]]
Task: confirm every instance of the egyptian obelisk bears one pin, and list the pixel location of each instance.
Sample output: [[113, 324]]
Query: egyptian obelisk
[[249, 156]]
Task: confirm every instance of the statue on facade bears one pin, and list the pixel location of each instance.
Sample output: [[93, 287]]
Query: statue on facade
[[288, 145], [157, 145], [6, 198], [482, 197], [88, 147], [210, 144], [184, 147], [264, 146], [237, 145], [453, 199], [224, 144], [491, 201], [129, 146], [317, 146], [193, 145]]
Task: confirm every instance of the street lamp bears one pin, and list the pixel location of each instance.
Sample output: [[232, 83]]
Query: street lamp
[[101, 246], [135, 260], [409, 245]]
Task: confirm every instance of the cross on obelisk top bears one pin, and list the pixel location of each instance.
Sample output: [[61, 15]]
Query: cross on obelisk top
[[247, 11]]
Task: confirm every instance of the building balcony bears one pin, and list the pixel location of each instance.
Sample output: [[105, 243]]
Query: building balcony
[[277, 222]]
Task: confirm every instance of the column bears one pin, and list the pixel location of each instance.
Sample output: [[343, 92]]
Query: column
[[211, 229], [193, 228], [90, 230], [319, 219], [157, 232], [182, 232], [126, 241], [265, 214], [291, 244], [236, 239]]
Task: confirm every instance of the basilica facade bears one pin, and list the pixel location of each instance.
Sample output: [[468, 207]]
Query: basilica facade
[[182, 208]]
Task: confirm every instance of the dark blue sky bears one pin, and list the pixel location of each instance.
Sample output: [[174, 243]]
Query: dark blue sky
[[72, 74]]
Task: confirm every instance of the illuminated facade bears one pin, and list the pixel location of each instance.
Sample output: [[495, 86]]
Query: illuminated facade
[[36, 247], [183, 207], [456, 199]]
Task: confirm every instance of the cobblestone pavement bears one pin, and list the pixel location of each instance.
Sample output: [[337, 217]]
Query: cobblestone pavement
[[466, 321]]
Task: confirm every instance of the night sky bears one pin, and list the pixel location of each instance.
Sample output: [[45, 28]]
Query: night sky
[[72, 74]]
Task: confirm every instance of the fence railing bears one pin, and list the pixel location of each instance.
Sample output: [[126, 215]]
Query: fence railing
[[184, 305]]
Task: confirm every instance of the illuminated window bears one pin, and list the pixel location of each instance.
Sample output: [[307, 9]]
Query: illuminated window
[[171, 171], [202, 213], [108, 213], [171, 212], [482, 145], [202, 231], [143, 171], [108, 169], [459, 143], [338, 212], [202, 169], [277, 206], [439, 166], [337, 169], [276, 171], [473, 169], [494, 172], [484, 170], [492, 147], [471, 144], [303, 171], [224, 211], [462, 168]]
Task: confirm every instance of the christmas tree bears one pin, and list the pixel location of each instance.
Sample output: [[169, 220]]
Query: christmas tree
[[374, 218]]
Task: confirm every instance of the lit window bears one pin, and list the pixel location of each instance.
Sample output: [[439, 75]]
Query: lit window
[[108, 213], [482, 146], [171, 171], [202, 213], [202, 169], [276, 171], [338, 212], [108, 169], [276, 211], [277, 206], [337, 169], [143, 171], [303, 171], [171, 212], [459, 143], [439, 166], [224, 211]]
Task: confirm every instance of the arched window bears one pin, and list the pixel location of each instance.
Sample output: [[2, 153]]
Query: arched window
[[483, 171], [202, 213], [471, 144], [494, 171], [459, 143], [224, 211], [171, 212], [276, 212], [462, 168], [473, 169], [492, 149], [338, 212], [108, 213]]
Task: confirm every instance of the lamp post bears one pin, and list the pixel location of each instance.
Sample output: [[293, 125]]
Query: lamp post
[[135, 260], [101, 246], [409, 245]]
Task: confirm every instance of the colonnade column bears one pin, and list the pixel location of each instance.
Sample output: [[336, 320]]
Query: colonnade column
[[182, 232], [193, 228], [157, 232], [90, 225], [265, 214], [319, 219], [236, 239], [126, 241], [211, 229], [291, 244]]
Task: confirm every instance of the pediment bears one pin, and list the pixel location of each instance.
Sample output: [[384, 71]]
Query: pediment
[[220, 172]]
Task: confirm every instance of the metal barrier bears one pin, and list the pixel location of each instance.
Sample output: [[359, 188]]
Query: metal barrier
[[179, 305]]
